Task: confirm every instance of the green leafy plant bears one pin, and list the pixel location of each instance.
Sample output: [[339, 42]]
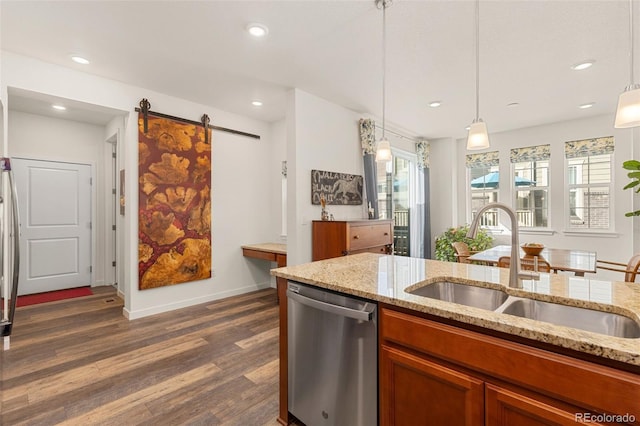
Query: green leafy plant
[[634, 175], [444, 249]]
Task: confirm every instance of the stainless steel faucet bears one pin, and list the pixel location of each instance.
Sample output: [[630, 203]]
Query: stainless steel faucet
[[514, 265]]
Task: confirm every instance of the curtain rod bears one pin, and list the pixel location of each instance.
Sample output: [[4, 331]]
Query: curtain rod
[[197, 123], [397, 134]]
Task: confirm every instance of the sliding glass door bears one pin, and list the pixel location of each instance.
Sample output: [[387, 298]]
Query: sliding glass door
[[398, 198]]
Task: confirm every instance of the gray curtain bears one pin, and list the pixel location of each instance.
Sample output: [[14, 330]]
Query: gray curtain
[[368, 143], [424, 212], [427, 216]]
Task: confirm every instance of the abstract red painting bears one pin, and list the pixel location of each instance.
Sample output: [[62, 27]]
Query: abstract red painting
[[174, 226]]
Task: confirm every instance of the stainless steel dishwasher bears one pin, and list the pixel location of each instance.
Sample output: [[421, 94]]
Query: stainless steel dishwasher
[[333, 357]]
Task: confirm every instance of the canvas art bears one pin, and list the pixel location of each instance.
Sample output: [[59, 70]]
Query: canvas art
[[336, 188], [174, 226]]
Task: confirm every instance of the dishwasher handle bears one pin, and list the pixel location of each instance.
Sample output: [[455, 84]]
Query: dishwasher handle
[[364, 315]]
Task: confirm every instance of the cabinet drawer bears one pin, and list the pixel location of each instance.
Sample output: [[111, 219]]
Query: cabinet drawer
[[365, 236], [516, 406], [386, 249]]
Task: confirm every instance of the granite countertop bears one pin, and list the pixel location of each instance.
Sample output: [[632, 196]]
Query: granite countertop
[[385, 278]]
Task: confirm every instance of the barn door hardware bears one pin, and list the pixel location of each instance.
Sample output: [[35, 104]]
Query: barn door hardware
[[145, 109]]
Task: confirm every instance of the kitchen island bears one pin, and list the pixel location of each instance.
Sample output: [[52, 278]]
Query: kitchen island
[[499, 366]]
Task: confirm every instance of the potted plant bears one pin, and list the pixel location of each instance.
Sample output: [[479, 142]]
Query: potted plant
[[634, 166], [444, 249]]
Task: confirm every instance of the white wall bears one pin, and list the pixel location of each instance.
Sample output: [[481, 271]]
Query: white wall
[[1, 123], [618, 245], [45, 138], [279, 154], [443, 168], [636, 196], [320, 136], [241, 195]]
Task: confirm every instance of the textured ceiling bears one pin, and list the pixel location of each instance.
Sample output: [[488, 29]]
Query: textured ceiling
[[200, 51]]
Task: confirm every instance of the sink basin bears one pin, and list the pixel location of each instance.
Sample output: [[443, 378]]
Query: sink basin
[[478, 297], [607, 323]]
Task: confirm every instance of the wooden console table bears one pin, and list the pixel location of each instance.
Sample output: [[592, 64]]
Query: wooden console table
[[276, 252]]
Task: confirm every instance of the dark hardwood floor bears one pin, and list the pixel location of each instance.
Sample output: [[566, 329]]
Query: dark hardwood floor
[[80, 362]]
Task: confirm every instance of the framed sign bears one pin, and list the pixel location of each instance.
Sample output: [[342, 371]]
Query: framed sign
[[337, 188]]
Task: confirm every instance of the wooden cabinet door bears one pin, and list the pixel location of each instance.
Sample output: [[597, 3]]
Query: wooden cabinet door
[[416, 391], [505, 407]]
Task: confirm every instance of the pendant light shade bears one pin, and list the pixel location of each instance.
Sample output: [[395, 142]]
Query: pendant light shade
[[383, 148], [478, 137], [628, 112]]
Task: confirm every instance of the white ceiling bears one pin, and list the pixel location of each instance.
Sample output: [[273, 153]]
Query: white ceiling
[[200, 51]]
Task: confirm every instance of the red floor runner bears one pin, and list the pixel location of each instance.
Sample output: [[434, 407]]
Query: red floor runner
[[51, 296]]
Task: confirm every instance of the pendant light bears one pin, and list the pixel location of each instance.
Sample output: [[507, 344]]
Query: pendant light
[[383, 148], [628, 113], [478, 137]]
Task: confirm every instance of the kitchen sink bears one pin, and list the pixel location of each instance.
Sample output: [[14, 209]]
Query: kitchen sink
[[478, 297], [600, 322], [608, 323]]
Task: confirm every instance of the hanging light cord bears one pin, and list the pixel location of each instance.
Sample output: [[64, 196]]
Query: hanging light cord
[[384, 61], [477, 60], [630, 43]]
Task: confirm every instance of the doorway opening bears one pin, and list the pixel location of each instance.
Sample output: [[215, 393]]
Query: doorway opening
[[77, 135], [399, 198]]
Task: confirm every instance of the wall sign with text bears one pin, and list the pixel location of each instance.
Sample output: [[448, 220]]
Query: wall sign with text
[[337, 188]]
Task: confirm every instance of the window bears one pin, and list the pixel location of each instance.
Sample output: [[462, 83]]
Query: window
[[530, 174], [589, 186], [483, 182]]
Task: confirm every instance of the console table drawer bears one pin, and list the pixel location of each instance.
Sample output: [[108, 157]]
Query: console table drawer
[[362, 237]]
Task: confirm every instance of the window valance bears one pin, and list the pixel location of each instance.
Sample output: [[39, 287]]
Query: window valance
[[530, 153], [422, 152], [482, 159], [368, 136], [585, 147]]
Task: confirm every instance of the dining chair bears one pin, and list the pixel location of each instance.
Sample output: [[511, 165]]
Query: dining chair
[[527, 264], [462, 251], [631, 270]]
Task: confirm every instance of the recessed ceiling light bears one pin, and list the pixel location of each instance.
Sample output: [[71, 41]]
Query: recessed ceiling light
[[435, 104], [467, 128], [257, 30], [256, 103], [513, 104], [79, 60], [588, 105], [583, 65], [59, 107]]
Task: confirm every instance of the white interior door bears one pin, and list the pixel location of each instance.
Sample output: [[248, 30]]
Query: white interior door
[[55, 216]]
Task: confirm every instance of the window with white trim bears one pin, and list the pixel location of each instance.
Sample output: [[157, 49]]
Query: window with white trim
[[530, 175], [589, 183], [483, 180]]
